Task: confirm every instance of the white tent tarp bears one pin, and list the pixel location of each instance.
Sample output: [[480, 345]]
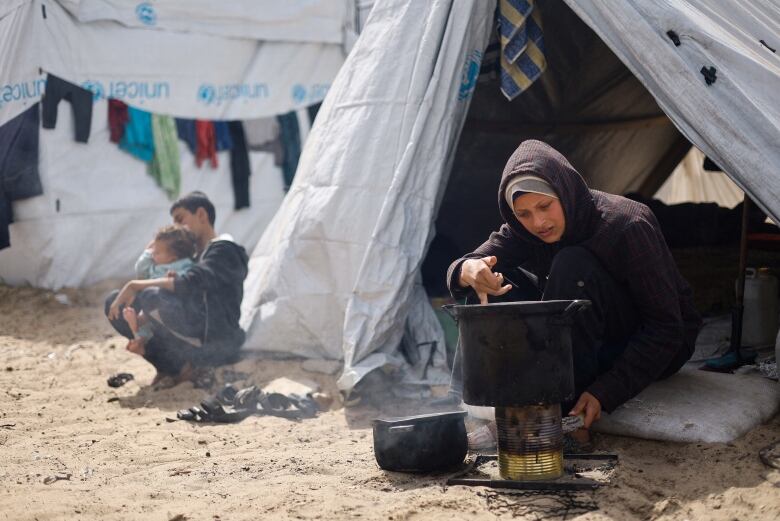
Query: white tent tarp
[[335, 272], [190, 75], [318, 21], [333, 275], [99, 206]]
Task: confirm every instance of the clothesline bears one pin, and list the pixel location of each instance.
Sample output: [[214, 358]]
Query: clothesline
[[152, 138]]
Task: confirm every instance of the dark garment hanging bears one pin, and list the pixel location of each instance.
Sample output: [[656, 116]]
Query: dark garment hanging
[[80, 101], [290, 135], [239, 165], [312, 110], [223, 137], [185, 128], [117, 119], [206, 143], [6, 218], [19, 155], [19, 176]]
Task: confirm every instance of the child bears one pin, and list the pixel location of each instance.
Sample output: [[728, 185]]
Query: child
[[171, 252]]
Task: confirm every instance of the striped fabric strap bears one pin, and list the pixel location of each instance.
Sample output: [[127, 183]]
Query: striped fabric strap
[[522, 46]]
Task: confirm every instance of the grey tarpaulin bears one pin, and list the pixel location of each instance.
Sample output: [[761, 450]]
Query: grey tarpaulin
[[736, 120], [334, 274]]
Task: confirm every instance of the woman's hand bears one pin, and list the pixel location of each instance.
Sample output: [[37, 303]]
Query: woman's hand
[[478, 273], [588, 405], [125, 297]]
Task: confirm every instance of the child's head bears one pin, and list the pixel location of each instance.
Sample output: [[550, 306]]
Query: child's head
[[173, 242]]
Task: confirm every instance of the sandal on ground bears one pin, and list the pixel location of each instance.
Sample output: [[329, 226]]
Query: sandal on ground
[[230, 405], [119, 379]]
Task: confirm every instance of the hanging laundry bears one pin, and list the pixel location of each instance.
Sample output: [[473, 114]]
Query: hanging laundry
[[490, 69], [290, 135], [117, 119], [19, 176], [223, 137], [312, 111], [239, 165], [165, 168], [138, 139], [260, 131], [6, 218], [185, 128], [80, 101], [273, 147], [206, 143], [522, 46], [262, 135]]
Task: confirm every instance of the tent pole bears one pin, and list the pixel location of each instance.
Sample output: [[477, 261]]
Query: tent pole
[[739, 308]]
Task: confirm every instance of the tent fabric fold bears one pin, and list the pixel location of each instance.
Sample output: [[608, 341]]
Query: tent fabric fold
[[339, 261]]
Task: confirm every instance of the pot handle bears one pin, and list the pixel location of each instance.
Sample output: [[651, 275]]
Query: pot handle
[[450, 310], [400, 428], [575, 307]]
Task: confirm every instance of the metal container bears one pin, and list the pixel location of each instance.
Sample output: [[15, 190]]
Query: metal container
[[517, 353], [760, 315], [422, 443], [530, 442]]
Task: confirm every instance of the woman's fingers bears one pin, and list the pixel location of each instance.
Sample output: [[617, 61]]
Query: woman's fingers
[[490, 261], [490, 280], [504, 289]]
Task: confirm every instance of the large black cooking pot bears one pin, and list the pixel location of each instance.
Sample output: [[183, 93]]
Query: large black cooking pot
[[517, 353], [421, 443]]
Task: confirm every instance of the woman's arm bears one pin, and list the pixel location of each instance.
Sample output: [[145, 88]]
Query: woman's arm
[[652, 286], [483, 275]]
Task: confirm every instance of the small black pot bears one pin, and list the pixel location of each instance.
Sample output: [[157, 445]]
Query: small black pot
[[422, 443]]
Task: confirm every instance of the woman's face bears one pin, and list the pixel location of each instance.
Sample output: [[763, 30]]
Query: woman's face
[[541, 215]]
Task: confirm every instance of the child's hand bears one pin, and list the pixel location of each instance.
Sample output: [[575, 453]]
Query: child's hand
[[124, 298]]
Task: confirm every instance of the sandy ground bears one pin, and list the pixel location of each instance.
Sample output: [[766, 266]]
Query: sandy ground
[[125, 461]]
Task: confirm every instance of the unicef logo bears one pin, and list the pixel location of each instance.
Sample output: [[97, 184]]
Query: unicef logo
[[298, 93], [468, 78], [98, 92], [146, 13], [207, 94]]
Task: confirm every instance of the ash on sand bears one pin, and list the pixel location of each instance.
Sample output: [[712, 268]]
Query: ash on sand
[[539, 505], [141, 467]]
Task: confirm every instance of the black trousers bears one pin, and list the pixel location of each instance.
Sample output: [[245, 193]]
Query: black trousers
[[80, 101], [173, 326], [239, 165], [599, 334]]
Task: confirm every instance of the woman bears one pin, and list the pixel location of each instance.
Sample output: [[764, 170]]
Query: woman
[[562, 240]]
